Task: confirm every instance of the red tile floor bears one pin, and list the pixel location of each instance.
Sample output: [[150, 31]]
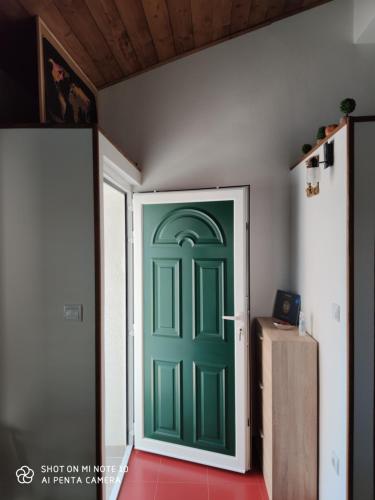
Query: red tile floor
[[153, 477]]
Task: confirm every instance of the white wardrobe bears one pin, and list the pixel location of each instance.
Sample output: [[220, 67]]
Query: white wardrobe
[[52, 390], [332, 263]]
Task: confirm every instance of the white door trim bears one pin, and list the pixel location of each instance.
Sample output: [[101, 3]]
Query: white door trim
[[116, 164], [115, 169], [241, 461]]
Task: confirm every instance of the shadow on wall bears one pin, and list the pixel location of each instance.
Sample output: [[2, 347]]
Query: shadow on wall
[[13, 455]]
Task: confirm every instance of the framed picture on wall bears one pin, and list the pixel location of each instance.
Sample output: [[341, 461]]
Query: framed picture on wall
[[66, 95], [287, 307]]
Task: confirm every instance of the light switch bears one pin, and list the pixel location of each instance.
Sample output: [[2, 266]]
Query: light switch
[[73, 312], [336, 312]]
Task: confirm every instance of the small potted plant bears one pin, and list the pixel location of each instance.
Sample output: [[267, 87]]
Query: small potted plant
[[320, 135], [347, 106], [306, 148]]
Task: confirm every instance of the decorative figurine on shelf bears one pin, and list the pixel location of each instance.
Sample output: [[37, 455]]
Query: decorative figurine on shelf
[[347, 106], [306, 148], [320, 135]]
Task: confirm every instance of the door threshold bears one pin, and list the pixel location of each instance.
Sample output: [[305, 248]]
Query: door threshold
[[196, 455]]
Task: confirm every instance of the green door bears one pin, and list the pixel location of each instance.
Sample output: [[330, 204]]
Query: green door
[[188, 347]]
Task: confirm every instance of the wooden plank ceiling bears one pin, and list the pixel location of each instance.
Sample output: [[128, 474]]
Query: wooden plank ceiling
[[114, 39]]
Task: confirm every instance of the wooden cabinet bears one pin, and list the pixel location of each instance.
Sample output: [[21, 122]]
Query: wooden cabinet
[[288, 389]]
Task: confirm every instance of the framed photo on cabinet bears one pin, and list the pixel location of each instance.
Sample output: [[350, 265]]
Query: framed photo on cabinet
[[66, 95], [287, 307]]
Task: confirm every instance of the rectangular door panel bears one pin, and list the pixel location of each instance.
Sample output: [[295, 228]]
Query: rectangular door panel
[[166, 396], [166, 297], [208, 299], [210, 403]]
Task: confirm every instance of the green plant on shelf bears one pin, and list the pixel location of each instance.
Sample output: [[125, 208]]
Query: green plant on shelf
[[320, 135], [347, 106], [306, 148]]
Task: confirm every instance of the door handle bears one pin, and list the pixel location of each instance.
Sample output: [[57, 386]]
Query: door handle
[[235, 318]]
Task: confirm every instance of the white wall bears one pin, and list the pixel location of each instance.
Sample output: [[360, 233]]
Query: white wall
[[319, 274], [364, 21], [237, 113]]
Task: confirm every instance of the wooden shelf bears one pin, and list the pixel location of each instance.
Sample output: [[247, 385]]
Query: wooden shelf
[[317, 146]]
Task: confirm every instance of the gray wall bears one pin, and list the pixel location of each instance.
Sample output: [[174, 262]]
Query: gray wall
[[237, 113], [47, 365], [364, 285]]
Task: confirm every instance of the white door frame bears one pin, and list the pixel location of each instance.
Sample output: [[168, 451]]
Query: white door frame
[[241, 461], [118, 171]]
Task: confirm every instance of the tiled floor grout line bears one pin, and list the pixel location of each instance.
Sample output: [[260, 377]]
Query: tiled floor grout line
[[208, 485], [157, 479]]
